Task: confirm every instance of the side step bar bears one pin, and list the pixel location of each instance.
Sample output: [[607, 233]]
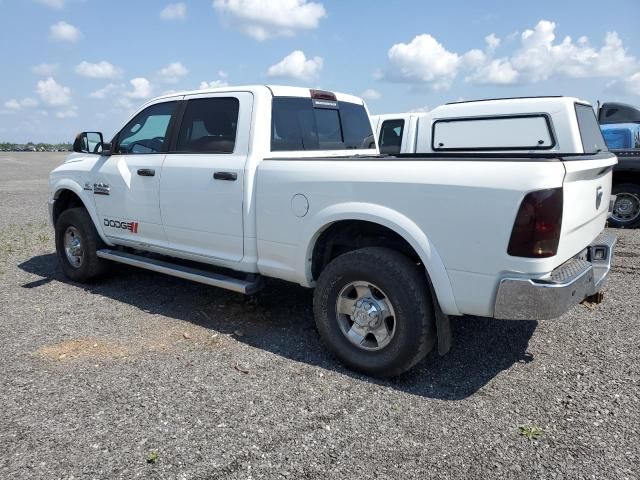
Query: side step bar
[[201, 276]]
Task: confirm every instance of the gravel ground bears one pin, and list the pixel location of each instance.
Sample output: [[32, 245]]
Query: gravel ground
[[97, 379]]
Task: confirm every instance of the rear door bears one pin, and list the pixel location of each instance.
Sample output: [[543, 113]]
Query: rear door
[[126, 184], [202, 183], [587, 186]]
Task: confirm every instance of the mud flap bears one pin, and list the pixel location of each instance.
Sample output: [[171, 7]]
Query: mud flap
[[443, 325]]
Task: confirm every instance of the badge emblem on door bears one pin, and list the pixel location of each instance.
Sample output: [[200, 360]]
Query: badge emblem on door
[[598, 197]]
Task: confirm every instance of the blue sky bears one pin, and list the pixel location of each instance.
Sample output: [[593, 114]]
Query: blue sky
[[71, 65]]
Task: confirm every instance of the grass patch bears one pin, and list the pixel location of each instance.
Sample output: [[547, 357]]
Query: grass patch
[[530, 432]]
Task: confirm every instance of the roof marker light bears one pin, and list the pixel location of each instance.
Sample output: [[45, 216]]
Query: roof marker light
[[323, 95]]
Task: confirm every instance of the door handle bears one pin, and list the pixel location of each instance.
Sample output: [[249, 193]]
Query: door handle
[[230, 176], [146, 172]]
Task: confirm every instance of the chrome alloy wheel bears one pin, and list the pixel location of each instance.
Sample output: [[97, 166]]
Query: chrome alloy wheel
[[365, 316], [73, 246]]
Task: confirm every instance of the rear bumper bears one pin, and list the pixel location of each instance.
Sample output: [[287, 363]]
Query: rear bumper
[[569, 284]]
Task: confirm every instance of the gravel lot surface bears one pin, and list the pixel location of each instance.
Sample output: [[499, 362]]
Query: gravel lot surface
[[97, 379]]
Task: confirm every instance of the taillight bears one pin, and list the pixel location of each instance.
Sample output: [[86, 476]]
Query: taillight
[[536, 231]]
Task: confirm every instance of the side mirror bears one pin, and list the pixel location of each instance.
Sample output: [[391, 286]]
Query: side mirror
[[91, 142]]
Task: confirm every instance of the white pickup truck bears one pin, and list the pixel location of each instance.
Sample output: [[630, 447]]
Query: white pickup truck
[[284, 182]]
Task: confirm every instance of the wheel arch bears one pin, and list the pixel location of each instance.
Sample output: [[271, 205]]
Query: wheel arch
[[68, 194], [331, 220]]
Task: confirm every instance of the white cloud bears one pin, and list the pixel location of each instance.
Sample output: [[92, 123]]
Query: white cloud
[[295, 65], [213, 84], [538, 57], [101, 69], [12, 104], [492, 42], [57, 4], [45, 69], [633, 84], [68, 113], [371, 94], [174, 11], [262, 20], [495, 72], [64, 32], [222, 74], [141, 88], [422, 109], [423, 60], [52, 93], [29, 102], [173, 72], [106, 91]]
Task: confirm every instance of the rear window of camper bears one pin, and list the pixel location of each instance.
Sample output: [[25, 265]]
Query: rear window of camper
[[509, 132]]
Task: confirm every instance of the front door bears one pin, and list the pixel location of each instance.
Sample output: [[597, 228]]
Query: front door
[[203, 177], [126, 184]]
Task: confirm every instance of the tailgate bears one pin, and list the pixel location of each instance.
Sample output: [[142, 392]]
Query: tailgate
[[586, 188]]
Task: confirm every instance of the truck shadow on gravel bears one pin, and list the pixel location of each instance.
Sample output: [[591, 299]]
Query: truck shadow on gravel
[[279, 320]]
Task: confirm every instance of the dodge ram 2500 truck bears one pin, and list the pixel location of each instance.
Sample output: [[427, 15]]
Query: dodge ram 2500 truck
[[283, 182]]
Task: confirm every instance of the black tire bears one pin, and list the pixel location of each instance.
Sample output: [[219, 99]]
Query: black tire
[[404, 285], [91, 265], [632, 193]]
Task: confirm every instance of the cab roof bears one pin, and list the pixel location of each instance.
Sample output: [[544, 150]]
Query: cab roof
[[273, 90]]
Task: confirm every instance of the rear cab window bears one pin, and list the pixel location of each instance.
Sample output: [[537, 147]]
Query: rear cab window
[[309, 124], [590, 133]]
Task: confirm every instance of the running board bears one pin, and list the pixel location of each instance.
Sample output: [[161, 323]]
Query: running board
[[201, 276]]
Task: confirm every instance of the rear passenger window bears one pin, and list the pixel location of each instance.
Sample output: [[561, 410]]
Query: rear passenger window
[[514, 132], [390, 139], [592, 139], [299, 124], [209, 125]]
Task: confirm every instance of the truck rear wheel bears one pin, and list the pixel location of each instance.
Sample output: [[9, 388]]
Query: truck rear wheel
[[76, 244], [626, 209], [373, 310]]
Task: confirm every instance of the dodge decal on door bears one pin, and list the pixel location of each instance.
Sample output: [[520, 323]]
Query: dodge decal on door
[[131, 226]]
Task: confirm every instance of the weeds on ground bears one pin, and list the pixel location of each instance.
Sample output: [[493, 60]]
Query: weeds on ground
[[530, 432]]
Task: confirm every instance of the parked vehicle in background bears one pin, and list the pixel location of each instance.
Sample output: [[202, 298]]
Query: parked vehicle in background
[[285, 182], [492, 125], [620, 124]]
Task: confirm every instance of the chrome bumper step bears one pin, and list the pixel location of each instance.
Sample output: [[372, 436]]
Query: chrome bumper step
[[246, 287], [521, 298]]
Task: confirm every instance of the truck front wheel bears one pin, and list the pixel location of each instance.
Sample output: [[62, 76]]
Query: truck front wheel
[[373, 310], [626, 209], [76, 244]]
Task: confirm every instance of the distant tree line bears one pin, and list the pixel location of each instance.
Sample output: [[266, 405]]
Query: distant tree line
[[37, 147]]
